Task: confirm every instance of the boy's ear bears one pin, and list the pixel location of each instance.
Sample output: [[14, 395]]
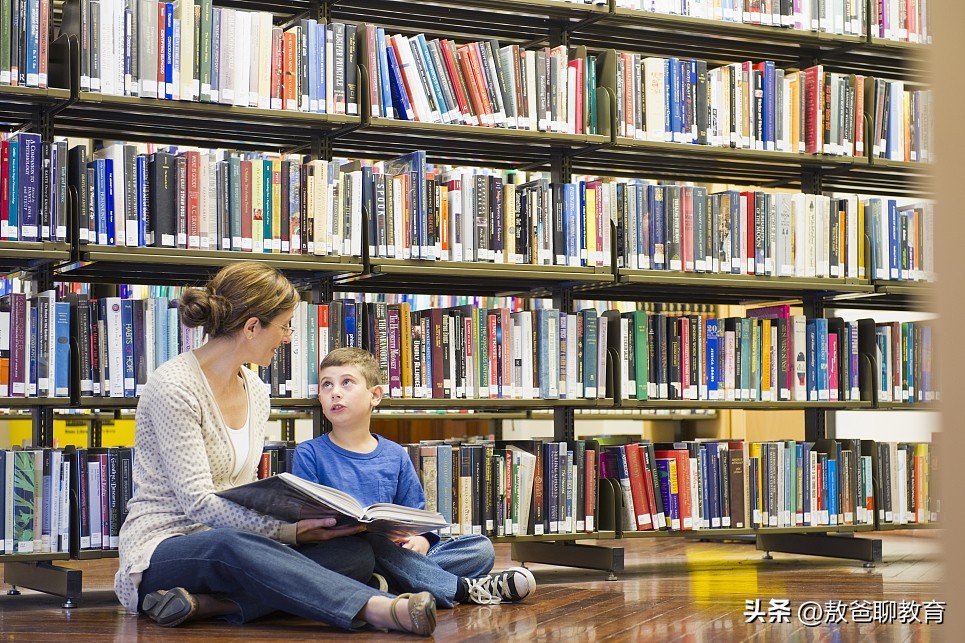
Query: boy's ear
[[377, 393]]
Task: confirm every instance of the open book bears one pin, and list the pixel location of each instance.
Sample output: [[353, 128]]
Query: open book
[[290, 498]]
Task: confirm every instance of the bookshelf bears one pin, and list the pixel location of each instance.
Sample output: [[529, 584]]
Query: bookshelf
[[65, 110]]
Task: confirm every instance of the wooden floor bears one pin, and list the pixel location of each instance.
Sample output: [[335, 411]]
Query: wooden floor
[[671, 590]]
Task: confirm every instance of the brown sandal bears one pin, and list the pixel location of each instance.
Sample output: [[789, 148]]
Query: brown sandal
[[422, 613], [170, 608]]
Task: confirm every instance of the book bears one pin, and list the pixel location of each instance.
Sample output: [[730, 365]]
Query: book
[[288, 497]]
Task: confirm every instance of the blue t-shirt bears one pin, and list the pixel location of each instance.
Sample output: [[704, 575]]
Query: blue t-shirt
[[385, 474]]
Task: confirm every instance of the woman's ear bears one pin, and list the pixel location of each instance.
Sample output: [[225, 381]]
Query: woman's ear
[[251, 325]]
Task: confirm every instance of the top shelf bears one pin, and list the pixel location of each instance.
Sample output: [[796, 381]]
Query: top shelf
[[474, 278], [509, 21], [720, 41], [165, 266], [536, 22], [95, 115]]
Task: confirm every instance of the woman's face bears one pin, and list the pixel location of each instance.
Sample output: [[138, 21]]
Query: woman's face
[[271, 336]]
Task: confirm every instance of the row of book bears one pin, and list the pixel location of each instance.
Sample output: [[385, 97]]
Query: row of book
[[773, 233], [742, 105], [63, 500], [35, 345], [902, 121], [768, 356], [215, 200], [889, 19], [482, 215], [539, 487], [24, 45], [501, 488], [474, 352], [549, 89], [70, 500], [759, 106], [473, 214], [904, 354], [693, 485], [194, 51], [33, 182]]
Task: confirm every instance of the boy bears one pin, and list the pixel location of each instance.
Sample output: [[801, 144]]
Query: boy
[[374, 469]]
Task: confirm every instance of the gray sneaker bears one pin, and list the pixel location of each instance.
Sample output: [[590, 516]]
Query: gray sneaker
[[510, 586]]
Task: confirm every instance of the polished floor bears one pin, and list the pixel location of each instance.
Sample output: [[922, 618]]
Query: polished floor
[[671, 590]]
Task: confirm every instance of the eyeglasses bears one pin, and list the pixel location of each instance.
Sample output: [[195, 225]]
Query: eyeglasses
[[288, 330]]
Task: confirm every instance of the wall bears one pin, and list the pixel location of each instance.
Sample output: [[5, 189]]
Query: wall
[[948, 17]]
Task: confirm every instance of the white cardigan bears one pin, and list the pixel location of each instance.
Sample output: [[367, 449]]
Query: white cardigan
[[182, 456]]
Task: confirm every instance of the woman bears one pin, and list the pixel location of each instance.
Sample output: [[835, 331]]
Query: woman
[[187, 554]]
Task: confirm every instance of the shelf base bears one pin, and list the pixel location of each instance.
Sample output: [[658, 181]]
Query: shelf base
[[827, 545], [567, 554], [44, 576]]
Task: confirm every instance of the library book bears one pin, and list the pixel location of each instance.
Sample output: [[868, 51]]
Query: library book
[[288, 497]]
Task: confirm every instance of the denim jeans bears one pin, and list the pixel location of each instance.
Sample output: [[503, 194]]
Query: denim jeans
[[439, 571], [468, 556], [318, 581]]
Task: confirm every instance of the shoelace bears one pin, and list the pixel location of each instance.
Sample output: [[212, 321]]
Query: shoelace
[[480, 592]]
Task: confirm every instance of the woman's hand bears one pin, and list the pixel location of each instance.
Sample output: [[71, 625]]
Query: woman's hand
[[316, 530], [415, 543]]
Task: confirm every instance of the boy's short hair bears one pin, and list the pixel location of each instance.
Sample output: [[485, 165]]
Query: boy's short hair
[[361, 359]]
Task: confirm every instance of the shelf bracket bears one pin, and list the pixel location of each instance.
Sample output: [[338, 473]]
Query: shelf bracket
[[321, 146], [44, 576], [555, 33], [568, 554], [815, 420], [827, 545], [43, 426], [810, 181], [561, 167]]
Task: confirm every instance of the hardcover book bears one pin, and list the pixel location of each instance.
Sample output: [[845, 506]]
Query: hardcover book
[[288, 497]]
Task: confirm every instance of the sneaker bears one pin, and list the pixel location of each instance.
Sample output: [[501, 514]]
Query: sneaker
[[378, 582], [510, 586]]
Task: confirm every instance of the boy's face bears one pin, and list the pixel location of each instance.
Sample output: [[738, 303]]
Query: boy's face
[[345, 397]]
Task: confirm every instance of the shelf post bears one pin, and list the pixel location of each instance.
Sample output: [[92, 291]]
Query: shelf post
[[564, 418], [321, 10], [321, 293], [43, 426], [94, 432], [815, 420], [321, 146]]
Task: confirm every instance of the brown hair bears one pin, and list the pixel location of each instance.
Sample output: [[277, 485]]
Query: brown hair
[[238, 292], [361, 359]]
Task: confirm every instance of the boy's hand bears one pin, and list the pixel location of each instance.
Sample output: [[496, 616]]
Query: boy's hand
[[315, 530], [416, 543]]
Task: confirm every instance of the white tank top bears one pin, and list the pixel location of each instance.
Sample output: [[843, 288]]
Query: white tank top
[[240, 440]]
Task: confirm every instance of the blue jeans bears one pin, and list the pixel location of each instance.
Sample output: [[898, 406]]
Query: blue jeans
[[468, 556], [439, 571], [318, 581]]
